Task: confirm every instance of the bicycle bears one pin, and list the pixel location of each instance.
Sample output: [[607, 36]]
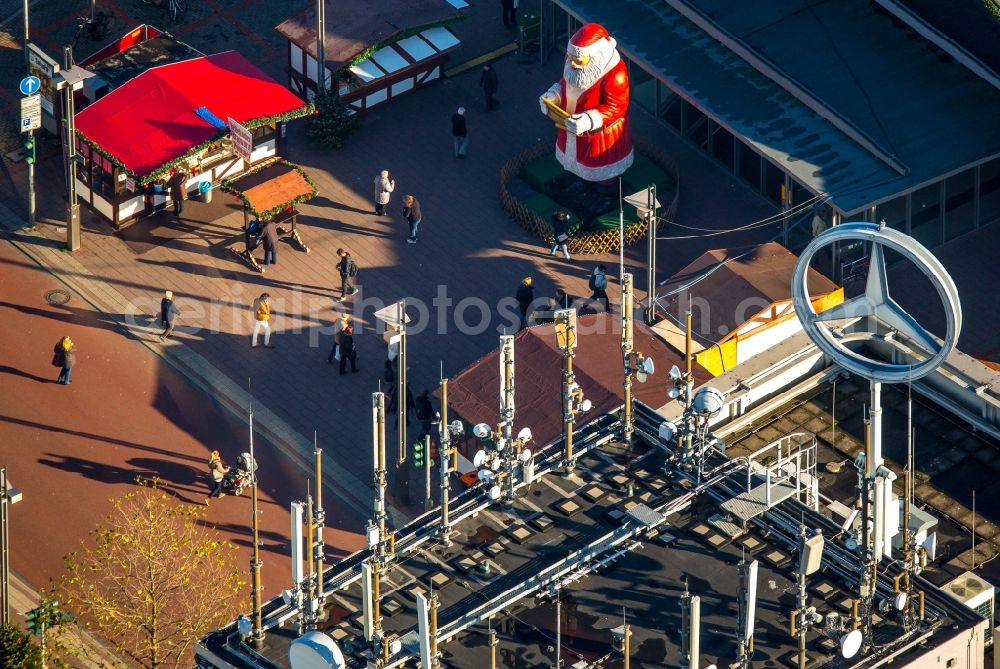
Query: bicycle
[[96, 29], [175, 8]]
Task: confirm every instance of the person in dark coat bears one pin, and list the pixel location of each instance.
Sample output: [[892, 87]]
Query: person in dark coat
[[348, 271], [64, 356], [509, 8], [423, 409], [525, 296], [269, 236], [599, 285], [560, 233], [488, 82], [176, 186], [413, 216], [347, 350], [168, 314], [459, 132]]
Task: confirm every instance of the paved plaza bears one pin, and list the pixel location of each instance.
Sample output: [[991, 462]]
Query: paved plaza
[[469, 254]]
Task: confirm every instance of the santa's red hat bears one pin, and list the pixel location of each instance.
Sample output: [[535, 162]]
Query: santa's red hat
[[586, 37]]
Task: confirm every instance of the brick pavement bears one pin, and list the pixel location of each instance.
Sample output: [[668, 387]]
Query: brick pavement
[[467, 246]]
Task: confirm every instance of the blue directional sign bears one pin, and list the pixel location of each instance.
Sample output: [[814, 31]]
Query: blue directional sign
[[30, 85]]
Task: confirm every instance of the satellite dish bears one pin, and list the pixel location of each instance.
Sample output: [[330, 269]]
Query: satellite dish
[[486, 475], [479, 458], [456, 427], [674, 373], [315, 650], [495, 463], [524, 435], [482, 430], [850, 644], [641, 376], [395, 646], [899, 601], [673, 393], [667, 431], [586, 405], [525, 455], [851, 543], [646, 366], [495, 492], [708, 402]]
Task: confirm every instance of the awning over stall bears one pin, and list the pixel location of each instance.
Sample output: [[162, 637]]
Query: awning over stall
[[272, 188], [152, 120]]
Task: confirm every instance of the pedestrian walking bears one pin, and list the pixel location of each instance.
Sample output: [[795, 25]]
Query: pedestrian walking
[[423, 410], [64, 356], [383, 191], [598, 284], [560, 233], [509, 8], [413, 216], [488, 82], [459, 132], [525, 296], [217, 470], [348, 350], [168, 314], [348, 274], [262, 320], [269, 236], [338, 327], [176, 186]]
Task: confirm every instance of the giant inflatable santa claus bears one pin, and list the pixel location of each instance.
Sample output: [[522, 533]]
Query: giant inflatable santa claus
[[589, 106]]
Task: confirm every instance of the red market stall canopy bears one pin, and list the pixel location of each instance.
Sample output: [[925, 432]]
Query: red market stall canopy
[[272, 188], [153, 121]]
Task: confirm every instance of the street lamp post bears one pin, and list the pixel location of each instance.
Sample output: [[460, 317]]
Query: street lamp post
[[71, 80], [8, 495]]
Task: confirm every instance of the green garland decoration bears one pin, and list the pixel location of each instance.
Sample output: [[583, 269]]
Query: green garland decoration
[[164, 170], [229, 186], [403, 34]]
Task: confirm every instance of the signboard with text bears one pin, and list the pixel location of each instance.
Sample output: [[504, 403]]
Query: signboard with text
[[45, 68], [31, 112], [242, 139]]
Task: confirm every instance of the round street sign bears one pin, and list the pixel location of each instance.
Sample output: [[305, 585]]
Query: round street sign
[[30, 85]]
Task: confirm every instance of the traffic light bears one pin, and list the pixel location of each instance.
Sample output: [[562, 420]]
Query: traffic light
[[418, 453], [34, 617], [29, 150]]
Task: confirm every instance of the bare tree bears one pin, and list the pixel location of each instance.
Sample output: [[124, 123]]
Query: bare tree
[[154, 579]]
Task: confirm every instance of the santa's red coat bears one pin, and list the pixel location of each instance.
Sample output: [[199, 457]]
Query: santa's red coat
[[606, 152]]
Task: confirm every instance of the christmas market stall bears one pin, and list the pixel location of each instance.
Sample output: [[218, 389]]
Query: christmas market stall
[[375, 53], [269, 192], [178, 128]]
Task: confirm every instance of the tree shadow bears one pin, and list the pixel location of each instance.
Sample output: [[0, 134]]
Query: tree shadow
[[4, 369]]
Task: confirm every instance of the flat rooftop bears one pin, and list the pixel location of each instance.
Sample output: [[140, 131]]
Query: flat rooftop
[[620, 535]]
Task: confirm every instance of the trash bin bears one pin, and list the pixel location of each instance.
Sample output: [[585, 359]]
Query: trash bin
[[205, 188]]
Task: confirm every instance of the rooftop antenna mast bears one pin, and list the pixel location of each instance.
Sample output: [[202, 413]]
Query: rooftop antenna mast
[[558, 631], [690, 629], [810, 561], [628, 423], [493, 644], [506, 429], [445, 451], [319, 521], [747, 603], [573, 400], [402, 479], [869, 576], [257, 588], [310, 616], [372, 567]]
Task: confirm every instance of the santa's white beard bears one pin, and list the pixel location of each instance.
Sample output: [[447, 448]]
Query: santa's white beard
[[583, 78]]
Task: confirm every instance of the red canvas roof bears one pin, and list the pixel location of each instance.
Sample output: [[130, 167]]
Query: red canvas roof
[[151, 120]]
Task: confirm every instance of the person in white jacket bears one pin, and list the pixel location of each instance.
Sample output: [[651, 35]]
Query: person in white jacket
[[383, 191]]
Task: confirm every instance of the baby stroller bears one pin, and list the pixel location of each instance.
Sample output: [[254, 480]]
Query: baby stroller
[[240, 475]]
